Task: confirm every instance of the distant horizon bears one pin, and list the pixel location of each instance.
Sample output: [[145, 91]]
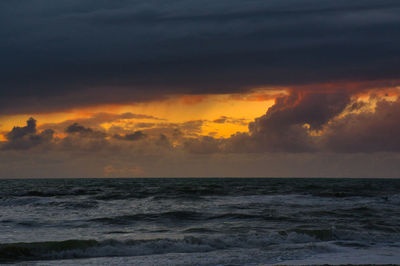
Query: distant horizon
[[208, 177]]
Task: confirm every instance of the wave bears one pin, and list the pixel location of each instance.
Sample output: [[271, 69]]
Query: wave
[[182, 216], [149, 217], [56, 193], [49, 202], [53, 250], [68, 249]]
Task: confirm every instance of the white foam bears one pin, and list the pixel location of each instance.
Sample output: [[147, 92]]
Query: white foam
[[378, 255], [235, 256]]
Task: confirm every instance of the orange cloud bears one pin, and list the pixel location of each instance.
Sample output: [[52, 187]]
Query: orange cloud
[[239, 107], [179, 109]]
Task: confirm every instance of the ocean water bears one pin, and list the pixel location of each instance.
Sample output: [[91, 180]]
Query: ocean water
[[199, 221]]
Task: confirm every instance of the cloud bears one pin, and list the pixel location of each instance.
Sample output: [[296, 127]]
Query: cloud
[[177, 131], [305, 134], [78, 138], [163, 141], [75, 128], [20, 132], [144, 125], [298, 108], [74, 53], [22, 138], [137, 135], [83, 139], [299, 122], [109, 127], [96, 119], [287, 125], [322, 122], [370, 132], [202, 145], [225, 119]]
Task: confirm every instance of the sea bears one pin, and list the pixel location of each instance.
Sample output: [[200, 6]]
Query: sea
[[199, 221]]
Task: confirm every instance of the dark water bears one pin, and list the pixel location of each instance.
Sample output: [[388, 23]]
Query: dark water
[[194, 221]]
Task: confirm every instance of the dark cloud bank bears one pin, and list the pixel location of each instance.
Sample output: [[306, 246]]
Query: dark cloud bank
[[61, 54]]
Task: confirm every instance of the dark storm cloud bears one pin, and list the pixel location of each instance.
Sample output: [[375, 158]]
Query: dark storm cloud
[[300, 108], [287, 125], [366, 131], [72, 53], [23, 138], [322, 122]]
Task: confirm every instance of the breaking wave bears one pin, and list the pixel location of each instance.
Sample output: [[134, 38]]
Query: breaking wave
[[13, 252]]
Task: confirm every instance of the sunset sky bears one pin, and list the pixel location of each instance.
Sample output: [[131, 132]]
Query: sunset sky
[[272, 88]]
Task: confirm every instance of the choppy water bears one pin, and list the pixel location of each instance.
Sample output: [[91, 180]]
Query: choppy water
[[195, 221]]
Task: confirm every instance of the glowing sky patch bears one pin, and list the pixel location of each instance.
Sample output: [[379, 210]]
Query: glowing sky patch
[[239, 109]]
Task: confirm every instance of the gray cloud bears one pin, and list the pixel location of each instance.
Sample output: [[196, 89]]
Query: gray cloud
[[76, 129], [311, 123], [20, 132], [64, 54], [97, 119], [23, 138], [287, 125], [365, 132]]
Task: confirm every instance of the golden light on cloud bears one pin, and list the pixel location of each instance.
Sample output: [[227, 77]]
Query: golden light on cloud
[[239, 108], [221, 115], [226, 129]]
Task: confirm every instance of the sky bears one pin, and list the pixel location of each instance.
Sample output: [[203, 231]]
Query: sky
[[206, 88]]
